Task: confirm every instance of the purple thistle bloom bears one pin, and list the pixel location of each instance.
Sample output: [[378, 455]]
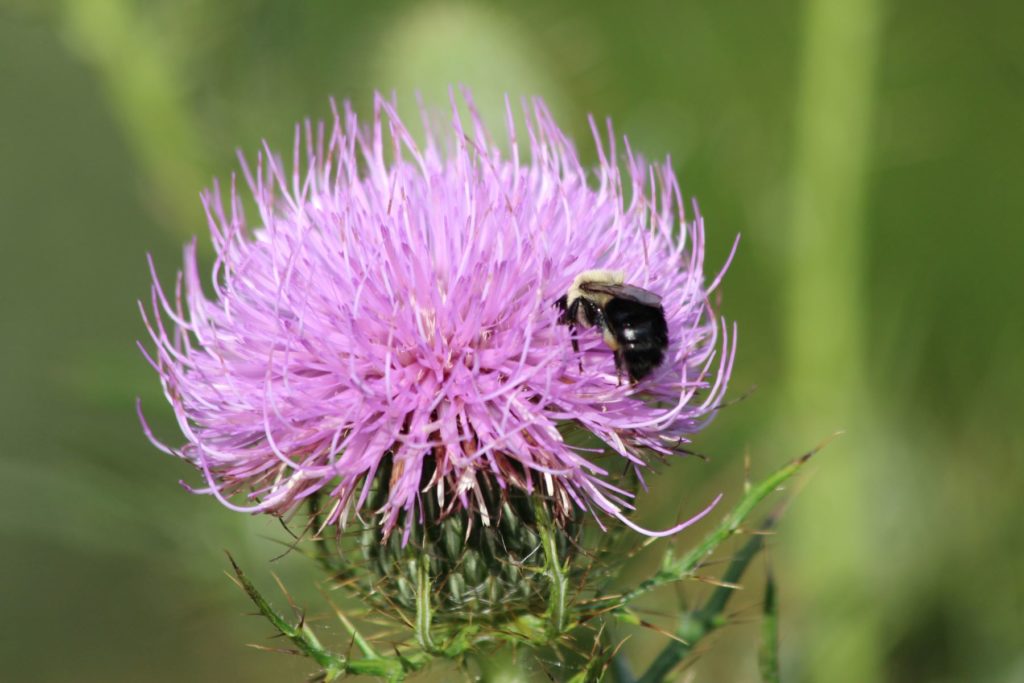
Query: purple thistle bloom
[[394, 302]]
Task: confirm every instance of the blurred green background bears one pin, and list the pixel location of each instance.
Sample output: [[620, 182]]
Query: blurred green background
[[869, 153]]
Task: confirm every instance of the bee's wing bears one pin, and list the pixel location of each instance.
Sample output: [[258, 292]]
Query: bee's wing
[[627, 292]]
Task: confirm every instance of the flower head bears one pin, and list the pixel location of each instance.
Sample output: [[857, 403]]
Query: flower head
[[390, 310]]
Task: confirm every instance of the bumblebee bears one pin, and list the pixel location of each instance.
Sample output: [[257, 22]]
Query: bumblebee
[[631, 319]]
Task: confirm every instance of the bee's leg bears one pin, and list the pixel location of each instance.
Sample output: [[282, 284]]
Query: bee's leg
[[574, 339], [572, 316], [575, 344], [618, 366], [561, 304]]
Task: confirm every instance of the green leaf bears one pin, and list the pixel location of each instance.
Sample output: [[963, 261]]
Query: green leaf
[[768, 656]]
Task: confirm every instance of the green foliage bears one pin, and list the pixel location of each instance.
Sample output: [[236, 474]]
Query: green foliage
[[461, 632], [768, 655]]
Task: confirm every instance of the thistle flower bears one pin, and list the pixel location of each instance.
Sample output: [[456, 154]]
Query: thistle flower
[[389, 316]]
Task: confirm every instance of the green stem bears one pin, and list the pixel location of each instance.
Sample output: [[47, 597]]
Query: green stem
[[696, 625], [389, 668], [559, 591], [768, 657], [357, 637], [621, 670], [424, 610], [674, 570]]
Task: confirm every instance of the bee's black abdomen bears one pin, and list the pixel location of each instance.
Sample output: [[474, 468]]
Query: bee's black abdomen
[[640, 363], [636, 325], [641, 333]]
